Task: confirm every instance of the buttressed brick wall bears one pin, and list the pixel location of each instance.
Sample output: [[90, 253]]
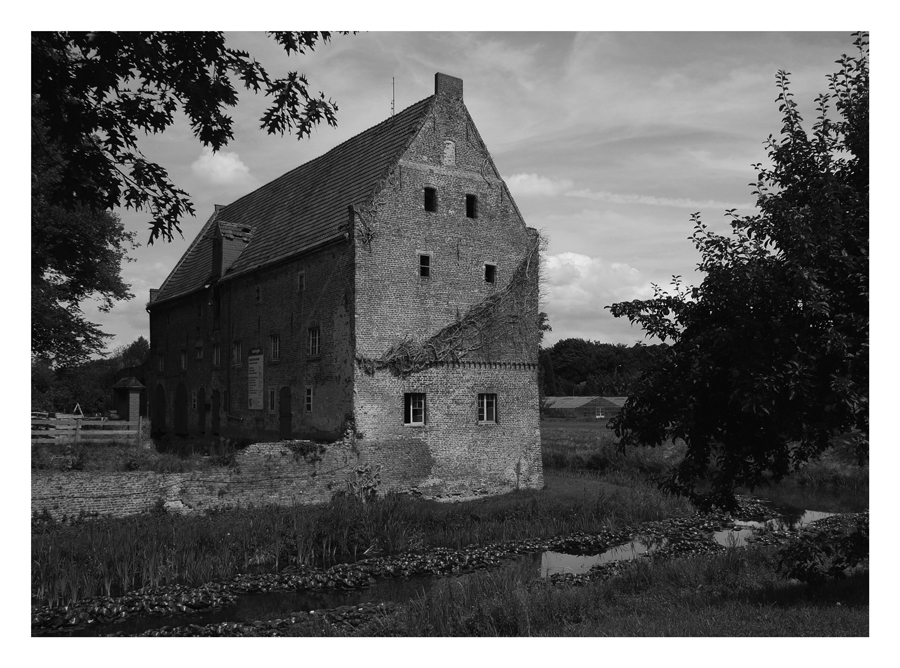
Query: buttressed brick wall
[[451, 335]]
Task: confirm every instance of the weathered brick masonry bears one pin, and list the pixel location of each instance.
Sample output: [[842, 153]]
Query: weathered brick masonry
[[321, 272]]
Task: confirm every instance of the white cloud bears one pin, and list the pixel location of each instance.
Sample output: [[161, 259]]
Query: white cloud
[[534, 185], [526, 185], [579, 287], [223, 168]]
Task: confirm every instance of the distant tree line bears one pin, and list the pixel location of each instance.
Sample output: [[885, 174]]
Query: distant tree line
[[88, 384], [575, 367]]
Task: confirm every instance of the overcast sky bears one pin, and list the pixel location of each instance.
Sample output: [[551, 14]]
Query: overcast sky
[[608, 142]]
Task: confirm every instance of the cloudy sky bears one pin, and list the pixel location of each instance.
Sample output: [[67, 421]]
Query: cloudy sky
[[608, 142]]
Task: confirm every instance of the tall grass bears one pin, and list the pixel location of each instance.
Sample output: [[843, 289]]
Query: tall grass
[[115, 555], [736, 593]]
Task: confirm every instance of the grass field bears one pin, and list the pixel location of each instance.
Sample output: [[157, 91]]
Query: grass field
[[591, 485]]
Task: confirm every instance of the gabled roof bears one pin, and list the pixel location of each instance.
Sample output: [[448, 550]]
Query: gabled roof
[[303, 208]]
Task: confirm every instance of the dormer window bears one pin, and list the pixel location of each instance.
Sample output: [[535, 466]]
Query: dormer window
[[431, 199]]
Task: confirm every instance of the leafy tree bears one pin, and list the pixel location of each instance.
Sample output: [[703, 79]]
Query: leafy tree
[[76, 253], [92, 94], [769, 354], [97, 90]]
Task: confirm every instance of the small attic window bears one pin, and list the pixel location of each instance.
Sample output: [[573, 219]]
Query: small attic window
[[471, 206], [430, 199]]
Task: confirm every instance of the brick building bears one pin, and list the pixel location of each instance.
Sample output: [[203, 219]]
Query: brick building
[[389, 286]]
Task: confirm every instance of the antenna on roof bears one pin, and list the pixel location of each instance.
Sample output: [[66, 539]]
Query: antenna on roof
[[392, 98]]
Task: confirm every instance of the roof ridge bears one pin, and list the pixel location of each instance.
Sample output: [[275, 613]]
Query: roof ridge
[[333, 149]]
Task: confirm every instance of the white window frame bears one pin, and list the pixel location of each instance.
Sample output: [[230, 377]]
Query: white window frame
[[414, 402], [487, 408]]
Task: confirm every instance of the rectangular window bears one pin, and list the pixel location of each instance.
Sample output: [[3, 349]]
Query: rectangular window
[[301, 281], [275, 346], [309, 399], [217, 354], [183, 360], [430, 199], [312, 341], [424, 266], [193, 400], [487, 407], [236, 353], [160, 362], [198, 352], [414, 409], [471, 206], [490, 273], [273, 397]]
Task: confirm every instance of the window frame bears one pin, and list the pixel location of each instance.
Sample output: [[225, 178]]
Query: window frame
[[471, 206], [273, 398], [237, 353], [216, 355], [430, 201], [198, 352], [490, 269], [410, 408], [183, 358], [308, 399], [313, 336], [274, 347], [428, 266], [487, 400]]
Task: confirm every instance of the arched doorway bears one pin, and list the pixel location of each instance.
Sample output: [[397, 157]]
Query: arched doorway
[[181, 410], [284, 413], [201, 410], [158, 424], [215, 412]]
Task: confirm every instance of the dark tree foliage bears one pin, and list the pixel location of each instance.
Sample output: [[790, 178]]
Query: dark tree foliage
[[88, 384], [588, 368], [76, 253], [97, 90], [769, 355], [93, 93]]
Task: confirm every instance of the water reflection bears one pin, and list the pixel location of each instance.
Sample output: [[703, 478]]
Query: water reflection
[[558, 562]]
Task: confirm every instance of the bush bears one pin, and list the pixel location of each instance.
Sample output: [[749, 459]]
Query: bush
[[825, 555]]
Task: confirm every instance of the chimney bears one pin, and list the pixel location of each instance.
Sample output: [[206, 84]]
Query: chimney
[[447, 86]]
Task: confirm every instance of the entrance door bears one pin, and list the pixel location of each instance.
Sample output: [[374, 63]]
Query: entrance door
[[158, 425], [284, 413], [181, 410], [215, 412], [201, 410]]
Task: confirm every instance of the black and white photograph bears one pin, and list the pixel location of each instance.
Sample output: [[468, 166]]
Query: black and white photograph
[[449, 333]]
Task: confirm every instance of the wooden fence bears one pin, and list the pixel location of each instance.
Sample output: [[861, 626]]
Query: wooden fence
[[79, 430]]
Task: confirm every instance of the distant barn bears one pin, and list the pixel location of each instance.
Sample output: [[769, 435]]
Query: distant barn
[[583, 408]]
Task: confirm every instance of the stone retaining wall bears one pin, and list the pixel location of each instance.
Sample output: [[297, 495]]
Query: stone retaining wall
[[264, 473]]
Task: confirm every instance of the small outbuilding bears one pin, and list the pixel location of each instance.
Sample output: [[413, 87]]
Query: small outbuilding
[[582, 408]]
